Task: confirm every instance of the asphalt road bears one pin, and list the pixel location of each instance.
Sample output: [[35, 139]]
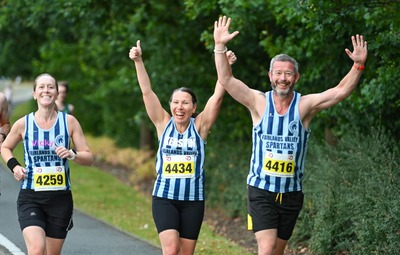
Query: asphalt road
[[88, 236]]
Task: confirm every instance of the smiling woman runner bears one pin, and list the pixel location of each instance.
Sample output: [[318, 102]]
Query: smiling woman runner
[[178, 194], [45, 200]]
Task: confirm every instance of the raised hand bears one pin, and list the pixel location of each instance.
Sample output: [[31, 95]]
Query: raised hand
[[136, 52], [359, 54], [230, 55], [221, 31]]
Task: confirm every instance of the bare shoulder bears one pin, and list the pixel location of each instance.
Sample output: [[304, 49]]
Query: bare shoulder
[[71, 118], [309, 99], [260, 93], [72, 121], [19, 124]]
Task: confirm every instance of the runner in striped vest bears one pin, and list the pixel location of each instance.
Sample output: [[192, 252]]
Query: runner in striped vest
[[45, 204], [178, 194], [281, 120]]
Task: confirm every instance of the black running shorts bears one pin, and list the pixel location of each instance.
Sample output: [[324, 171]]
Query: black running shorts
[[270, 210], [50, 210], [184, 216]]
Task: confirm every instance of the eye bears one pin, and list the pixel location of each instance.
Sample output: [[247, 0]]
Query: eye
[[289, 74]]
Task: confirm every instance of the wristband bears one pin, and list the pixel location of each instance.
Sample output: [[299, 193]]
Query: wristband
[[359, 68], [220, 51], [11, 163]]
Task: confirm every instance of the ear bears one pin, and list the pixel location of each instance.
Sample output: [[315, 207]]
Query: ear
[[297, 77], [270, 76], [33, 95]]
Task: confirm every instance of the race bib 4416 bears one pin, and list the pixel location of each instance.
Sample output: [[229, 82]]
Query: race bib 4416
[[279, 165]]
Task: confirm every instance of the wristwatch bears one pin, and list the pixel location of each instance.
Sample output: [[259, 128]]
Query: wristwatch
[[74, 153]]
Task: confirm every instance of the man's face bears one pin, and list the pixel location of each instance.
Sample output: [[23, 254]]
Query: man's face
[[62, 93], [283, 77]]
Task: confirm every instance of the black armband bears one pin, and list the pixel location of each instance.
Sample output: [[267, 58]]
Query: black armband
[[11, 163]]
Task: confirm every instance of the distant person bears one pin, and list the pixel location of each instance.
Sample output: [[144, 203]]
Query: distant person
[[4, 118], [45, 202], [281, 128], [62, 104], [8, 92], [178, 194]]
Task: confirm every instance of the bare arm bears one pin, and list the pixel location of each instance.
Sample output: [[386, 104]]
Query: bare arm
[[250, 98], [83, 154], [154, 109], [207, 117], [4, 117], [13, 138], [311, 104]]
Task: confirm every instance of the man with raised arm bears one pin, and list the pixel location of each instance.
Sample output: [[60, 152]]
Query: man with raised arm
[[281, 128]]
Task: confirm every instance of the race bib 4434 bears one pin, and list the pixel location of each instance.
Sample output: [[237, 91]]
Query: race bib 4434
[[178, 166]]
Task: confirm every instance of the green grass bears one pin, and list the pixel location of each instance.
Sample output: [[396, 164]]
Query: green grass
[[100, 194]]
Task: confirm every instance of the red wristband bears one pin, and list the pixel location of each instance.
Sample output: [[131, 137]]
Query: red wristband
[[359, 68]]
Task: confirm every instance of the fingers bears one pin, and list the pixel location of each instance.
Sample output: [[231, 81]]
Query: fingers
[[223, 22], [135, 52], [19, 173], [231, 57], [62, 152], [230, 54], [228, 22], [360, 52], [358, 40]]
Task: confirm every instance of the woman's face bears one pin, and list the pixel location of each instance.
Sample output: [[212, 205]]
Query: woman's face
[[45, 90], [182, 107]]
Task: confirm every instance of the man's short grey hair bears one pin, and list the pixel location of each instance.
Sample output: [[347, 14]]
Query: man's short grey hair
[[284, 58]]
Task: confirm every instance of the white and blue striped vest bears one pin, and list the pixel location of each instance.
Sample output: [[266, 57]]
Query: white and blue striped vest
[[179, 164], [279, 149], [40, 144]]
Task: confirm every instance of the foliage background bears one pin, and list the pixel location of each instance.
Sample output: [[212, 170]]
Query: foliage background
[[87, 42]]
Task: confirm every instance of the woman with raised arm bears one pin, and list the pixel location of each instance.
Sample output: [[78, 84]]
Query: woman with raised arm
[[178, 194]]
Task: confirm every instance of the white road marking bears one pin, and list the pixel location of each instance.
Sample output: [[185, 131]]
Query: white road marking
[[10, 246]]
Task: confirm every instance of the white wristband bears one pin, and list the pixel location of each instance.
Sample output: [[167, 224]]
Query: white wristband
[[220, 51]]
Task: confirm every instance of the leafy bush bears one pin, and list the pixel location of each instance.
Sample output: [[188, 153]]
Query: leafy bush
[[352, 198], [226, 171]]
